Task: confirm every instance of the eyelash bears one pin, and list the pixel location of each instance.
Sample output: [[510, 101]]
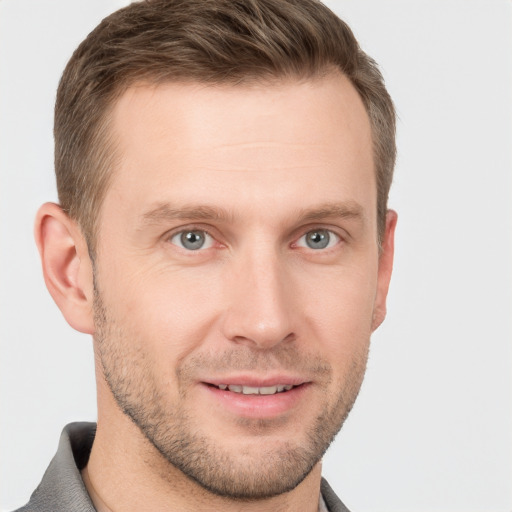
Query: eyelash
[[200, 229], [192, 229], [333, 237]]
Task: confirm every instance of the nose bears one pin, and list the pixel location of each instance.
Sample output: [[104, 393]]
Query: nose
[[260, 312]]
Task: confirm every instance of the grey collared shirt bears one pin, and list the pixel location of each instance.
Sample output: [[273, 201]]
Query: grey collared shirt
[[62, 488]]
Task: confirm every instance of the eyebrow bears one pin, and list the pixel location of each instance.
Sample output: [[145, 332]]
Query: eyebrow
[[165, 212], [344, 210]]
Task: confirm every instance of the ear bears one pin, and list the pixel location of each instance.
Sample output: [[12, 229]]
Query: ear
[[67, 267], [385, 269]]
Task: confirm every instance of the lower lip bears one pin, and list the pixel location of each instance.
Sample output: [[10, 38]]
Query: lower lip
[[257, 406]]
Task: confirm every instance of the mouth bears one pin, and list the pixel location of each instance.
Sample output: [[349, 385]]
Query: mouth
[[253, 390], [255, 398]]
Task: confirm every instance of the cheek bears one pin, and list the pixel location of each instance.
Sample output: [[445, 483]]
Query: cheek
[[341, 310], [344, 322], [169, 312]]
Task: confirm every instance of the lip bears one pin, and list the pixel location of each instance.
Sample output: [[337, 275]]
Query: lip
[[257, 382], [256, 406]]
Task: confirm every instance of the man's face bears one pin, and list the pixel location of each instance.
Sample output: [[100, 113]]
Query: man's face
[[237, 275]]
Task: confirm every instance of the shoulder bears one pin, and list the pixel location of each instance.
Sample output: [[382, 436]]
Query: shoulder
[[62, 488]]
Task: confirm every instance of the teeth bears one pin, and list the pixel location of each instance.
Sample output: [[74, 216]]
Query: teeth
[[249, 390], [270, 390]]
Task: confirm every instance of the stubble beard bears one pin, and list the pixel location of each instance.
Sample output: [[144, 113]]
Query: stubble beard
[[250, 476]]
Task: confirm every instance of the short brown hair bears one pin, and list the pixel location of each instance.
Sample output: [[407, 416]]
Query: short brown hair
[[209, 41]]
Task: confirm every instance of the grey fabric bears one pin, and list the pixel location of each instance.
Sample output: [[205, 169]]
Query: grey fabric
[[62, 488]]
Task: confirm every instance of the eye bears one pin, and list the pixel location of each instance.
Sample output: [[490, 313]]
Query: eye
[[192, 240], [318, 239]]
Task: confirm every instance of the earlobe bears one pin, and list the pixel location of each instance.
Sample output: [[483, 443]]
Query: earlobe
[[385, 269], [66, 265]]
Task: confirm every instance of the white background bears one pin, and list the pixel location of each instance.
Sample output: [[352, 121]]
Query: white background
[[432, 428]]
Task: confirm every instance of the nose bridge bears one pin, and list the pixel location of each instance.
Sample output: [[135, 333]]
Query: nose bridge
[[260, 312]]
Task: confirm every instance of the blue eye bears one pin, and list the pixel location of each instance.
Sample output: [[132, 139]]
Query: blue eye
[[192, 240], [318, 239]]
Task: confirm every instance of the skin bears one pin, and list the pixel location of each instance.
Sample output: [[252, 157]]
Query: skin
[[257, 168]]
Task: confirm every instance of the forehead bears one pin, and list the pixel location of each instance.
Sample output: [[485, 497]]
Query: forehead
[[238, 144], [324, 110]]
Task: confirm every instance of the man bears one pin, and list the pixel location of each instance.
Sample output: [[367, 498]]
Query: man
[[223, 170]]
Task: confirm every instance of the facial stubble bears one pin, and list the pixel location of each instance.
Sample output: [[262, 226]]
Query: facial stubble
[[236, 474]]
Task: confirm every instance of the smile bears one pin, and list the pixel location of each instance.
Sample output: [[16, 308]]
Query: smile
[[269, 398], [250, 390]]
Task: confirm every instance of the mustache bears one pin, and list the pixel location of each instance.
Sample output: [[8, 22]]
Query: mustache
[[246, 359]]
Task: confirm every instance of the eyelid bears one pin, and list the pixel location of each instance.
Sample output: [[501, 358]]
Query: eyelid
[[191, 227], [333, 233], [340, 237]]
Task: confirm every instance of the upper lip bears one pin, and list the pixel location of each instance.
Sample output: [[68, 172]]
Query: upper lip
[[257, 382]]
